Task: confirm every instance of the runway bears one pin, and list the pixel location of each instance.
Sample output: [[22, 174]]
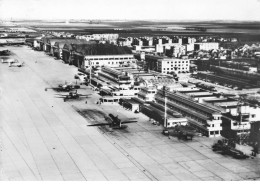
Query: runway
[[44, 138]]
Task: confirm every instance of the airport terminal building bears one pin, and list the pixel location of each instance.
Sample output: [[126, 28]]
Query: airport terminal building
[[109, 60]]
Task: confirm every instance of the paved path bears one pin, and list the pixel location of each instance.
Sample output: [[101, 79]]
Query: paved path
[[43, 138]]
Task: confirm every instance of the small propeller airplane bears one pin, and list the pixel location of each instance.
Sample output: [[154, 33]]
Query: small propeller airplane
[[16, 64], [115, 123], [65, 87], [72, 95], [9, 61]]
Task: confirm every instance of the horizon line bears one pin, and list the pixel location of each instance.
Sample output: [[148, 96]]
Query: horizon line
[[168, 20]]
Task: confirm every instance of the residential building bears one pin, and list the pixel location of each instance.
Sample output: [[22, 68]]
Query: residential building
[[206, 46], [167, 65]]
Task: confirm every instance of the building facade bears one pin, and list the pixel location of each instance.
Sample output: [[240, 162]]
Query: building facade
[[206, 46], [109, 60], [167, 65]]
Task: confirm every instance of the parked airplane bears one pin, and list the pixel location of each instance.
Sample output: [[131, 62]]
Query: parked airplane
[[16, 64], [115, 123], [65, 87], [10, 61], [72, 95], [228, 148], [185, 132]]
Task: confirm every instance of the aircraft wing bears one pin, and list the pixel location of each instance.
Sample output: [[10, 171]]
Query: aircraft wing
[[85, 95], [61, 95], [100, 124], [130, 121]]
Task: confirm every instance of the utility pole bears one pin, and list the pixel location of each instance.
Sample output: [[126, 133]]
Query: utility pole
[[239, 111], [90, 68], [165, 107]]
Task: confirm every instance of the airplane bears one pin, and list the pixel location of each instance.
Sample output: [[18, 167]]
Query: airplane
[[72, 95], [185, 132], [226, 147], [10, 61], [17, 64], [65, 87], [115, 123]]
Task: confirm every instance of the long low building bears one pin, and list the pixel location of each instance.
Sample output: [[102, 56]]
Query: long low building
[[109, 60], [206, 119]]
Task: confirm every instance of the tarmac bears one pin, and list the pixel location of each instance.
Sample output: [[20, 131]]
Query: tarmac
[[44, 138]]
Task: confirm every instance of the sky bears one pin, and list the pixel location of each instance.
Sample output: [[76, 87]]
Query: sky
[[132, 9]]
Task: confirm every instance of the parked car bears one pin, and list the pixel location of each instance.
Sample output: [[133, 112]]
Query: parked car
[[82, 77]]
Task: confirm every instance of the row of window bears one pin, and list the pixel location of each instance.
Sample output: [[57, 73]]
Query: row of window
[[214, 132], [176, 69], [213, 125], [124, 58], [178, 72], [178, 62], [97, 63], [177, 65]]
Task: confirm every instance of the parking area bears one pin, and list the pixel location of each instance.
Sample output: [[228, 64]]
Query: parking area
[[44, 138]]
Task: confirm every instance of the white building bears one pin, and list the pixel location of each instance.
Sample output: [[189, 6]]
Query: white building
[[109, 60], [167, 65], [147, 93], [159, 48], [104, 37], [206, 46], [189, 47]]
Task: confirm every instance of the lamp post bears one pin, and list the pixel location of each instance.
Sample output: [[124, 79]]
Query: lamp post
[[89, 62], [239, 109], [165, 107]]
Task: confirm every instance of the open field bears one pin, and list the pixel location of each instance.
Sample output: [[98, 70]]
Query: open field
[[44, 138], [244, 31]]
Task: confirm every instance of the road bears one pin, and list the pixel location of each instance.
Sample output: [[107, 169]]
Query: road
[[44, 138]]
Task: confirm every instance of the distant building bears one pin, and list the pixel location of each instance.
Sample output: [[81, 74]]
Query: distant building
[[70, 50], [167, 65], [189, 47], [206, 46], [109, 60], [159, 48], [91, 53], [124, 41], [58, 46], [100, 37], [49, 44]]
